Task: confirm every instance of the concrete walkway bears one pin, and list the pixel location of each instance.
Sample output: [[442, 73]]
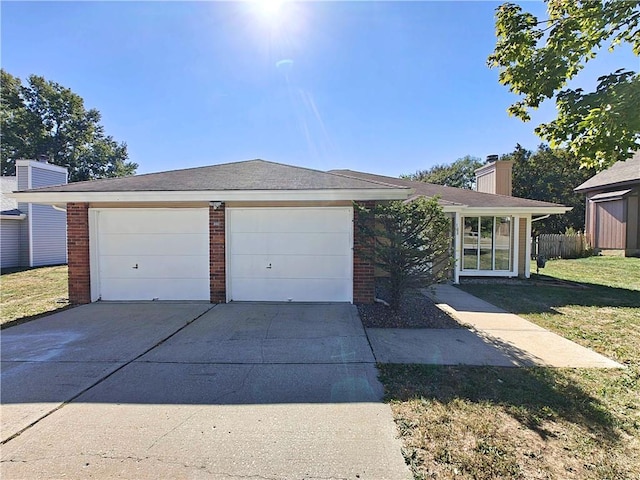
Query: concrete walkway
[[494, 338], [527, 343]]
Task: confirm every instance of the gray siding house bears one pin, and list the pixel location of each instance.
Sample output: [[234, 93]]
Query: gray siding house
[[32, 235]]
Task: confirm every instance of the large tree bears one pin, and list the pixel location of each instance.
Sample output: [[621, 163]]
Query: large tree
[[460, 174], [45, 118], [538, 56], [550, 175]]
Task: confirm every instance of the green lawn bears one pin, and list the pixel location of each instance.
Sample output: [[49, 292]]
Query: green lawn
[[485, 422], [30, 293]]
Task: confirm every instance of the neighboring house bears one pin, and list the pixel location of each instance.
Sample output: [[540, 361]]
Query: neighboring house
[[32, 235], [256, 231], [613, 208]]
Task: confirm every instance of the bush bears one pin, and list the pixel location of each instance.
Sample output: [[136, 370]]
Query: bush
[[410, 242]]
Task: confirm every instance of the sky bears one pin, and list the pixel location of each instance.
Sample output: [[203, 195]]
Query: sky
[[384, 87]]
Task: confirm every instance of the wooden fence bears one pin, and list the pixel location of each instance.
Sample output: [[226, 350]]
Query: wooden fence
[[560, 246]]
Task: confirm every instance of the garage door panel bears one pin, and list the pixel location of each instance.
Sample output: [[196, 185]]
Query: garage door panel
[[291, 220], [159, 288], [309, 251], [322, 243], [157, 244], [300, 267], [247, 242], [310, 266], [283, 290], [150, 266], [152, 221], [169, 247], [308, 221]]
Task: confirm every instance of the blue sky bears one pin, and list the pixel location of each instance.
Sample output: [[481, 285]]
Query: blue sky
[[385, 87]]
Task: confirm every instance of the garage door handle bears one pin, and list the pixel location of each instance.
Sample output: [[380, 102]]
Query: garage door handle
[[269, 266], [136, 267]]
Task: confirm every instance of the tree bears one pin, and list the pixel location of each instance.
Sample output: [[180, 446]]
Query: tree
[[409, 241], [537, 57], [460, 174], [43, 117], [550, 175]]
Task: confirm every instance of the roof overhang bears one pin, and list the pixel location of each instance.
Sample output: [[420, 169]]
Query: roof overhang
[[50, 198], [607, 186], [22, 216], [608, 196], [508, 211]]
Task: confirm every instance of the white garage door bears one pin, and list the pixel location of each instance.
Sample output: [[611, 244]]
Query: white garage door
[[146, 254], [290, 254]]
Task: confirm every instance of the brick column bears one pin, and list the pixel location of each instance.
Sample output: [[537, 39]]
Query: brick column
[[78, 253], [363, 267], [217, 273]]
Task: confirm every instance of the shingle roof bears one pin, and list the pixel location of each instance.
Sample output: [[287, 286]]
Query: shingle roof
[[452, 195], [247, 175], [9, 206], [619, 174]]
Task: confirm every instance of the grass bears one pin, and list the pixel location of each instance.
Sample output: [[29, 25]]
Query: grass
[[521, 423], [26, 294]]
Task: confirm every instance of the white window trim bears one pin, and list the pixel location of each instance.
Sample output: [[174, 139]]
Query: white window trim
[[462, 272]]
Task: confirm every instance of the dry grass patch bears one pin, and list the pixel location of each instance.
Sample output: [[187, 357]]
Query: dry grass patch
[[535, 423], [485, 423], [30, 293]]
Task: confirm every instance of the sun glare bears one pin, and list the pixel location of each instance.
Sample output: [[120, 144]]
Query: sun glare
[[269, 8]]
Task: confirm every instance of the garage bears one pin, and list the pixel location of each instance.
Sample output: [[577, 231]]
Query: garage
[[150, 254], [290, 254]]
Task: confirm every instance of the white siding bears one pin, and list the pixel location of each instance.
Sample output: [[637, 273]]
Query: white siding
[[10, 243], [43, 235], [44, 178], [22, 176], [49, 235]]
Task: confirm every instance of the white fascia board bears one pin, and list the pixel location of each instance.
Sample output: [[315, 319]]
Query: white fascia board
[[498, 211], [48, 198], [22, 216], [454, 208]]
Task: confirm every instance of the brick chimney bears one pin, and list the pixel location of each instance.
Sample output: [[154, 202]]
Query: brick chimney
[[495, 176]]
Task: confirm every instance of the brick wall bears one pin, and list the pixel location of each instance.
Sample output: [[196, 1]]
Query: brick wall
[[363, 268], [217, 273], [78, 253]]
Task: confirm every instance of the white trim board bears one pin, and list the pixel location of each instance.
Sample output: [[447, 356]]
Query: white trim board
[[49, 198]]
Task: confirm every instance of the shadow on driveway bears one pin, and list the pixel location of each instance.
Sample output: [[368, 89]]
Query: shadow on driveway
[[185, 353]]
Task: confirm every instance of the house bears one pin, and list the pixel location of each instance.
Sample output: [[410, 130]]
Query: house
[[257, 231], [32, 235], [613, 208], [491, 234]]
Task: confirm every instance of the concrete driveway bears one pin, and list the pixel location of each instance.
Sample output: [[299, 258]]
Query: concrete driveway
[[114, 390]]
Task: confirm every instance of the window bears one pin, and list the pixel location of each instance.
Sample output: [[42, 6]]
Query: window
[[487, 243]]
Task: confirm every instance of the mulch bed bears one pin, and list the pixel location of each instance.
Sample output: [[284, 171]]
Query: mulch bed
[[417, 311]]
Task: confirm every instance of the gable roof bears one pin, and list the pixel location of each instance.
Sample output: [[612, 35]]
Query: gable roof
[[452, 196], [247, 180], [619, 174], [246, 175], [9, 206]]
